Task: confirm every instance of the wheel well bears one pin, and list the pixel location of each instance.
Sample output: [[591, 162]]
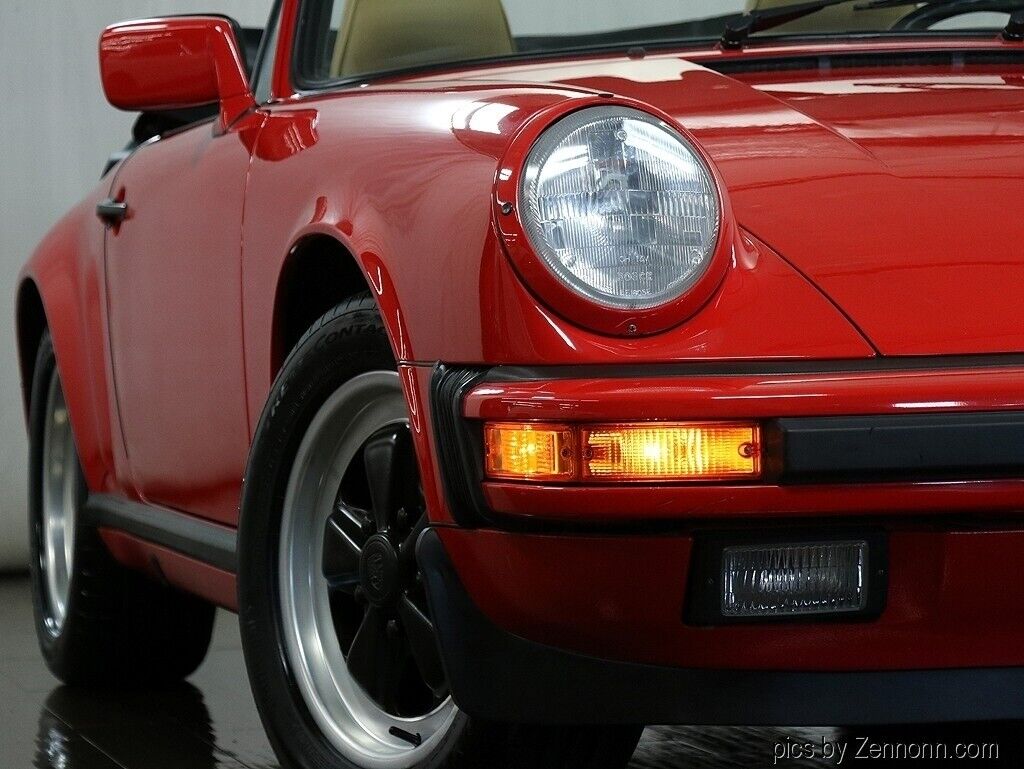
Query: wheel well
[[319, 274], [31, 319]]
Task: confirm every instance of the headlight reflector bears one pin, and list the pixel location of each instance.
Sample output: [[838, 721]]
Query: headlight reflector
[[620, 207]]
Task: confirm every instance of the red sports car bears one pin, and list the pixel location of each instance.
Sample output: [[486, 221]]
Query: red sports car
[[520, 388]]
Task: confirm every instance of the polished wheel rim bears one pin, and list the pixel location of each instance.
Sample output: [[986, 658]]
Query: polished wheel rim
[[59, 506], [357, 631]]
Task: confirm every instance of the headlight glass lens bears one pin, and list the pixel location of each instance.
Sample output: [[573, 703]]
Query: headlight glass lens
[[620, 207]]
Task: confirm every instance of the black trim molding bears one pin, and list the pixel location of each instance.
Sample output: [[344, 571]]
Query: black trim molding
[[459, 444], [959, 57], [210, 543], [901, 447]]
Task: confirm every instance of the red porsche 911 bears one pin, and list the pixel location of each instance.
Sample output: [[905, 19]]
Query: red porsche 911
[[520, 388]]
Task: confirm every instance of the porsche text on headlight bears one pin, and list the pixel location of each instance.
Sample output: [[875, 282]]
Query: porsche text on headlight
[[620, 207]]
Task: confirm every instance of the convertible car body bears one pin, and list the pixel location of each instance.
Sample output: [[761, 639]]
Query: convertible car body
[[775, 475]]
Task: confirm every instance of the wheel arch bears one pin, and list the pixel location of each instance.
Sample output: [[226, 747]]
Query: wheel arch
[[319, 273], [51, 306], [30, 325]]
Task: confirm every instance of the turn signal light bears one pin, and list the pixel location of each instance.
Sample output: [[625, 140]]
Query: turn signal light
[[671, 452], [631, 452], [530, 452]]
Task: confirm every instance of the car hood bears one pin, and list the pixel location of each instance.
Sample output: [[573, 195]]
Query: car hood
[[895, 190]]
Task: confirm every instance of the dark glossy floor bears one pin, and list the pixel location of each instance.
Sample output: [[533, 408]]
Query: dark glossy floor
[[211, 722]]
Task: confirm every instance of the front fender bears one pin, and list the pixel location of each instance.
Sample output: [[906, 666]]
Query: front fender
[[404, 177]]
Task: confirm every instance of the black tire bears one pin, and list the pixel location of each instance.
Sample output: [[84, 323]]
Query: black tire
[[120, 630], [348, 341]]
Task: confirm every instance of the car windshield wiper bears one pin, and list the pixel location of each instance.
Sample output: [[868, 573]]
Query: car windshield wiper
[[738, 30], [868, 5], [1013, 31]]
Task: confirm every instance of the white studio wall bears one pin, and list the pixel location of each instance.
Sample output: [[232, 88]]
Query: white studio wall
[[56, 131]]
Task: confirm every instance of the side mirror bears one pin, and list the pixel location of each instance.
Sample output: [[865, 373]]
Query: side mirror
[[175, 63]]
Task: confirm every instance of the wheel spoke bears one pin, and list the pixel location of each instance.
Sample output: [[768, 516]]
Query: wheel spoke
[[373, 659], [423, 643], [354, 522], [407, 550], [391, 473], [343, 541]]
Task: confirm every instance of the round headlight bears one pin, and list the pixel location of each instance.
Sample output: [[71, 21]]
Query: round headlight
[[620, 207]]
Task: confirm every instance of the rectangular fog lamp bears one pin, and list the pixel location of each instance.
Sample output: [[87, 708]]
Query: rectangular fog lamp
[[794, 579]]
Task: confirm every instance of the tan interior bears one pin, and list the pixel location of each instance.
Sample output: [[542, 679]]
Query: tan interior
[[378, 35], [838, 18]]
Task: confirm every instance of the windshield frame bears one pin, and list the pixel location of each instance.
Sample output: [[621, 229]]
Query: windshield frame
[[753, 46]]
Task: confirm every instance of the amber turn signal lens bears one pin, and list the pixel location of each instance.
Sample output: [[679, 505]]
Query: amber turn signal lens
[[530, 452], [639, 451], [671, 451]]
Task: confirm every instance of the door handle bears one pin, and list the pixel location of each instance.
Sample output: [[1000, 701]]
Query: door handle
[[112, 211]]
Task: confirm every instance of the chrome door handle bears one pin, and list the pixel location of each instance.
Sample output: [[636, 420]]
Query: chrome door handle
[[112, 212]]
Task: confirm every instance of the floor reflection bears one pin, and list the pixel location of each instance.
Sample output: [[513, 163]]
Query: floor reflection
[[126, 727], [173, 728], [211, 722]]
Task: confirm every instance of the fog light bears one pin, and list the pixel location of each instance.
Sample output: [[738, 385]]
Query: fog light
[[794, 579], [671, 451], [527, 451]]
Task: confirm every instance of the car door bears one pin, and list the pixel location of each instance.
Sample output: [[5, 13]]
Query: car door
[[173, 270]]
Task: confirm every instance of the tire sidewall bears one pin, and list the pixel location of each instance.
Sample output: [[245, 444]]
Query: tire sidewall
[[345, 343]]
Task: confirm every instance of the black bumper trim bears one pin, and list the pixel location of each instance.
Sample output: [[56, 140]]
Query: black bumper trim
[[906, 446], [499, 676], [459, 444]]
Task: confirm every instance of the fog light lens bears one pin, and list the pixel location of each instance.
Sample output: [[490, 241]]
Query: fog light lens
[[525, 451], [797, 579], [667, 451]]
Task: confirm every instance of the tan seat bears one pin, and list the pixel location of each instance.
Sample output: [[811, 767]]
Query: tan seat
[[378, 35], [838, 18]]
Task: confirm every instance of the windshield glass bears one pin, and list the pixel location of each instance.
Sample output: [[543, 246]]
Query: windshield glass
[[348, 39]]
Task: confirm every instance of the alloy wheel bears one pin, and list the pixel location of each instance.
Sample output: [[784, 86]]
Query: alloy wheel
[[59, 509], [357, 630]]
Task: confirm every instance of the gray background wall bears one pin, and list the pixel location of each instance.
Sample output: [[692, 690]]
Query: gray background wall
[[56, 129]]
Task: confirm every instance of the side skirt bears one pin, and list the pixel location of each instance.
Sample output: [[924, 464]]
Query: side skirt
[[203, 541]]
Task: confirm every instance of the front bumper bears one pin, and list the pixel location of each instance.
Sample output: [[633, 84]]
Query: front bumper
[[500, 675], [570, 602], [973, 407]]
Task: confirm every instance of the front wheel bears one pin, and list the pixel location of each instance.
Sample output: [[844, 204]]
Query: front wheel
[[339, 642]]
